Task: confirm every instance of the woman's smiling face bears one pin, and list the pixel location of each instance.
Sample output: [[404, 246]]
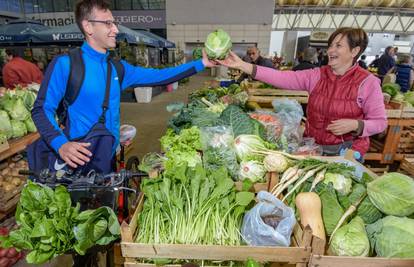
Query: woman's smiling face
[[341, 56]]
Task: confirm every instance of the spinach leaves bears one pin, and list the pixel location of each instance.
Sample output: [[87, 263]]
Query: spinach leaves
[[50, 226]]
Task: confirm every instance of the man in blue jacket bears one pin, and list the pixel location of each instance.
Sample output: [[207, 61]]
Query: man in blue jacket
[[91, 127], [404, 72]]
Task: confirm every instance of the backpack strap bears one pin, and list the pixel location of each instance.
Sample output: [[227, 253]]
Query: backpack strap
[[105, 104], [76, 75], [73, 85]]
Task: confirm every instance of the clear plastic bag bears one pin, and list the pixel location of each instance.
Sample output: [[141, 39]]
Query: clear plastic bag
[[256, 232], [217, 144], [271, 122], [309, 147], [290, 113]]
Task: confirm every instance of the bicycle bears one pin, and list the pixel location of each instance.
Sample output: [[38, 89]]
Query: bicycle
[[91, 191], [127, 134]]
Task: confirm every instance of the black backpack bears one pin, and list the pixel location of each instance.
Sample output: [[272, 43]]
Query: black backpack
[[75, 80]]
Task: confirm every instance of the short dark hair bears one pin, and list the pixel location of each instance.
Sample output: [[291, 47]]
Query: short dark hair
[[354, 36], [388, 49], [84, 9], [11, 52]]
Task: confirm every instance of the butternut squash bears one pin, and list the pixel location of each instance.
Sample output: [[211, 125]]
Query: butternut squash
[[310, 212]]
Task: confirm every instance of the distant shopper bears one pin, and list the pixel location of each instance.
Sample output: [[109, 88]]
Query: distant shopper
[[404, 72], [323, 58], [310, 58], [19, 71], [254, 57], [362, 63], [374, 63], [386, 61]]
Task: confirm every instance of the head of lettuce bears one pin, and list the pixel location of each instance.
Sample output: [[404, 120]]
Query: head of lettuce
[[218, 44]]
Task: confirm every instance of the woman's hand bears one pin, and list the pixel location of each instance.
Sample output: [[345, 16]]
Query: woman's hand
[[233, 61], [342, 126], [207, 62]]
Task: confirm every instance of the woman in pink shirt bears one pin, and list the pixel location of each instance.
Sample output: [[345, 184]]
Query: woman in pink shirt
[[345, 104]]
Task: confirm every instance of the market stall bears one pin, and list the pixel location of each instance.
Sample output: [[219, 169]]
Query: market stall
[[234, 184]]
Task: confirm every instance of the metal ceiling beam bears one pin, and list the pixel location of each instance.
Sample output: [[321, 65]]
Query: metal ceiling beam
[[318, 14], [344, 9]]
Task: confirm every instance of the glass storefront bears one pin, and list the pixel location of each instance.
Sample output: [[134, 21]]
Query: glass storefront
[[43, 6]]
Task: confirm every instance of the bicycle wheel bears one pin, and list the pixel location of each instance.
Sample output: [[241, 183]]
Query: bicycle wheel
[[132, 165]]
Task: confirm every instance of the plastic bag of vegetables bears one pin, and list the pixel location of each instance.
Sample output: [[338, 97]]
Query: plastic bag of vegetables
[[393, 194], [218, 150], [269, 223], [351, 239], [392, 237], [218, 44]]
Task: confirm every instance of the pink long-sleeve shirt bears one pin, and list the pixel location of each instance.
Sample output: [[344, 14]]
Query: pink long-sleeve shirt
[[370, 97]]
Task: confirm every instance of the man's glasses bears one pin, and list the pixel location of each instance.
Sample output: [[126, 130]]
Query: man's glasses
[[108, 23]]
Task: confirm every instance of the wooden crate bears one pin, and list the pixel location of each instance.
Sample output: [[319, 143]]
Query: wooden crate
[[271, 181], [9, 200], [320, 259], [335, 261], [19, 144], [4, 145], [265, 97], [396, 110], [407, 111], [118, 259], [299, 254], [407, 166], [397, 144]]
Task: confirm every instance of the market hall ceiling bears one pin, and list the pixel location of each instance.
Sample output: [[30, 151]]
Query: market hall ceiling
[[391, 16]]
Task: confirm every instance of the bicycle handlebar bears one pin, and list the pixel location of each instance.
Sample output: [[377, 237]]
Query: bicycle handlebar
[[112, 179]]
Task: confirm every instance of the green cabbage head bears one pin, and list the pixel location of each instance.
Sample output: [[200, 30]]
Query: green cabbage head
[[28, 98], [393, 194], [19, 128], [409, 97], [5, 125], [351, 239], [30, 126], [218, 44], [392, 237], [19, 111]]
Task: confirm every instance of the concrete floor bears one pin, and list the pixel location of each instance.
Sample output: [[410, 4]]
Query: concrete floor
[[151, 119]]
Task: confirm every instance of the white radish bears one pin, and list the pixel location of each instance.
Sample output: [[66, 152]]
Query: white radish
[[287, 175], [319, 178], [294, 178], [308, 175]]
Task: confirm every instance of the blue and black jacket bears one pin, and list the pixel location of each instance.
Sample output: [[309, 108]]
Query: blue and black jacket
[[403, 76], [87, 108]]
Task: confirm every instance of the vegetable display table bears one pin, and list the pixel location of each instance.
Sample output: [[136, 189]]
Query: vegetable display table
[[264, 97], [398, 143], [298, 254], [18, 145]]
